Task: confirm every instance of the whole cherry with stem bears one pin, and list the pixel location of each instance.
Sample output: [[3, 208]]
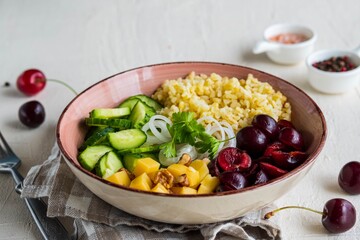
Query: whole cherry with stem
[[338, 215], [33, 81]]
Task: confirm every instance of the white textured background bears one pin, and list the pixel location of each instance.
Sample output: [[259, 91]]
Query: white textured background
[[84, 41]]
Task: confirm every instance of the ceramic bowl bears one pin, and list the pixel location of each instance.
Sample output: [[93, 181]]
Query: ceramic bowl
[[333, 82], [184, 209], [287, 54]]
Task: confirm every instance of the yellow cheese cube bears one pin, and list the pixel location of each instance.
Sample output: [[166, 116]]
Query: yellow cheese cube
[[177, 169], [208, 184], [183, 190], [121, 178], [146, 165], [201, 167], [193, 177], [160, 188], [142, 182]]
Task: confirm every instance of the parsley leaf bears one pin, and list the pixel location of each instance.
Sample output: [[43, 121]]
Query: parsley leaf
[[186, 129]]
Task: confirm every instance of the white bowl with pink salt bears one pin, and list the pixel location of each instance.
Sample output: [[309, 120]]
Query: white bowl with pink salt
[[286, 43]]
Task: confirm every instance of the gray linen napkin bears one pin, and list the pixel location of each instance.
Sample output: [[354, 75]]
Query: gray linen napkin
[[95, 219]]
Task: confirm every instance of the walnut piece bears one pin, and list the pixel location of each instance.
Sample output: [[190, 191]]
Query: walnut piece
[[185, 160], [164, 177], [182, 181]]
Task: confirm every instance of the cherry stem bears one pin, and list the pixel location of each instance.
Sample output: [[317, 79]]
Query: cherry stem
[[63, 83], [272, 213]]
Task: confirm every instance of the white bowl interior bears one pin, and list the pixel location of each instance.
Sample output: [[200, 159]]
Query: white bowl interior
[[326, 54], [288, 28]]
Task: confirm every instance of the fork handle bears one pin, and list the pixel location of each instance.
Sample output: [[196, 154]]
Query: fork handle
[[50, 228]]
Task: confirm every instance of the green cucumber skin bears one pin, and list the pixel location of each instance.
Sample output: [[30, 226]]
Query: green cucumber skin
[[104, 139], [91, 155], [140, 150], [97, 137], [108, 164], [129, 102], [141, 114], [110, 122], [110, 112], [148, 100], [125, 139]]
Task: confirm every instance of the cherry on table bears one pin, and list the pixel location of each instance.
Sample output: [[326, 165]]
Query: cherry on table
[[32, 114], [31, 82], [349, 177], [338, 215]]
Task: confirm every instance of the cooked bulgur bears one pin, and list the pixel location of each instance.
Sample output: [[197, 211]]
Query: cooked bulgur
[[226, 99]]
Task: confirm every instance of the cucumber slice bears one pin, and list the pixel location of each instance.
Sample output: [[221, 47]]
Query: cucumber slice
[[110, 122], [141, 114], [91, 155], [148, 100], [97, 137], [108, 164], [130, 160], [129, 102], [110, 112], [145, 149], [124, 139]]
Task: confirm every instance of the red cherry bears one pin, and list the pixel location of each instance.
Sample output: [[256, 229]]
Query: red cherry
[[271, 170], [349, 177], [31, 82], [288, 160], [32, 114], [338, 215], [233, 180], [275, 146], [231, 158], [284, 123], [292, 138]]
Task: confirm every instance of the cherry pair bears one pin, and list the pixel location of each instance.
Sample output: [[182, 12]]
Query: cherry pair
[[31, 82]]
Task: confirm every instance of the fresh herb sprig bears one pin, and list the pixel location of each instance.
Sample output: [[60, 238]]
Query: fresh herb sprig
[[186, 130]]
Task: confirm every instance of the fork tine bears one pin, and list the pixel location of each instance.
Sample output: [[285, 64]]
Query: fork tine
[[7, 147]]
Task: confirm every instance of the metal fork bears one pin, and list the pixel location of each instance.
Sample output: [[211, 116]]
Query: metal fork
[[50, 228]]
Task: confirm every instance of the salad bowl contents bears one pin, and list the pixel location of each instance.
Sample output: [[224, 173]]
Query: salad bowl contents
[[191, 142]]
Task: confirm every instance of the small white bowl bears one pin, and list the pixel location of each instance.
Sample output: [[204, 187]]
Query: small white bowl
[[286, 53], [333, 82]]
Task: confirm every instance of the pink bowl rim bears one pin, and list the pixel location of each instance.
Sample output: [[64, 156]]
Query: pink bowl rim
[[309, 161]]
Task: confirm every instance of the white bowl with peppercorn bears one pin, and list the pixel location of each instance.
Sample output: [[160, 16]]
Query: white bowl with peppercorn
[[286, 43], [334, 71]]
